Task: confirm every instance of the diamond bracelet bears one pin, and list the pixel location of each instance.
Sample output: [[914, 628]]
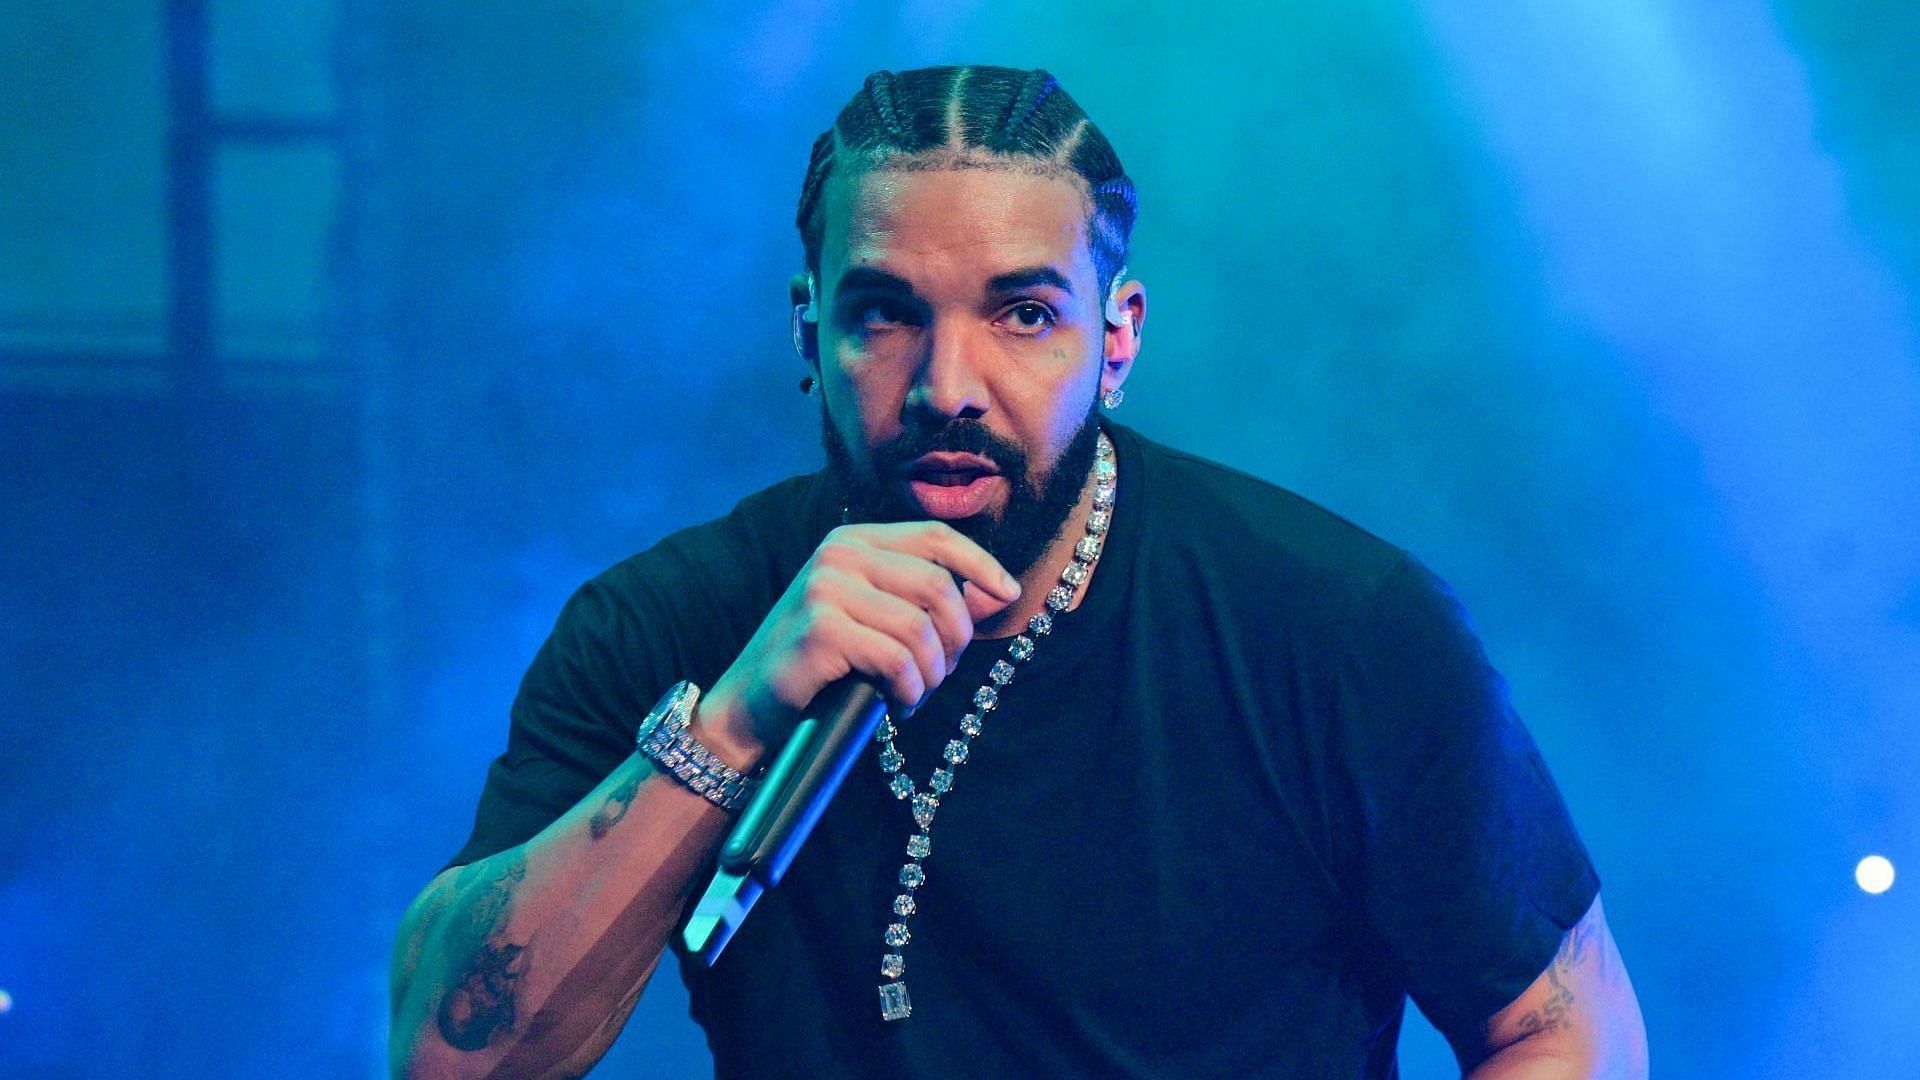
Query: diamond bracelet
[[664, 740]]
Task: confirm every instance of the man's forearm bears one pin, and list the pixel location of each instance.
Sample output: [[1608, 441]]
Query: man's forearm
[[528, 962]]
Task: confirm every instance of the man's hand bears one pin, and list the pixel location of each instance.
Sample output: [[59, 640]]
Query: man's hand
[[1579, 1019], [894, 602]]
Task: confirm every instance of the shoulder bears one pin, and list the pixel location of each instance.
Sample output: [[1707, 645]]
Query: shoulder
[[730, 567], [1272, 542]]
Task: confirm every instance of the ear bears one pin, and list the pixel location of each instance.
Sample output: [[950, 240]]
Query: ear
[[806, 318], [1126, 316]]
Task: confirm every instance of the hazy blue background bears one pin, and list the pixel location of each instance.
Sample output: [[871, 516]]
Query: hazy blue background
[[324, 379]]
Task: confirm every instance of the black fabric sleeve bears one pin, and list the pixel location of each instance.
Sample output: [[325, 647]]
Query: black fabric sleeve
[[681, 609], [1469, 866], [574, 718]]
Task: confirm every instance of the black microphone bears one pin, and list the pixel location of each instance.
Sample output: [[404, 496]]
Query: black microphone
[[791, 796]]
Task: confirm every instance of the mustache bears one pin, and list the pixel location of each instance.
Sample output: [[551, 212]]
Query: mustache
[[956, 437]]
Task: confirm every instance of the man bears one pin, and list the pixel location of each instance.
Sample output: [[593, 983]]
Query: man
[[1184, 775]]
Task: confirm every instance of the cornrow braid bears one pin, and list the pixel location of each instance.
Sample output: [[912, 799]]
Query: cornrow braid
[[993, 110], [1114, 208], [1021, 109], [879, 92], [825, 149]]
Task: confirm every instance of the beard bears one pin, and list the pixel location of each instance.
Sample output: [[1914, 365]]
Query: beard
[[1036, 510]]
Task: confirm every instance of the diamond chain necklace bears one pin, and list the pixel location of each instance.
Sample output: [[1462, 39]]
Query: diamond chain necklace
[[894, 1004]]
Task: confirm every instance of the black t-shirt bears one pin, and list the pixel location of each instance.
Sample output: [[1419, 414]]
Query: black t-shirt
[[1258, 788]]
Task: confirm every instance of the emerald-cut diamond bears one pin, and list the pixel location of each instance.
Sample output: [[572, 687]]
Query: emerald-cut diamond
[[941, 781], [897, 934], [901, 785], [1001, 673], [956, 751], [893, 965], [1040, 625], [1103, 468], [903, 904], [1088, 549], [1059, 597], [1075, 574], [1098, 521], [893, 1001], [919, 845], [891, 760], [1021, 649], [912, 876], [1103, 495]]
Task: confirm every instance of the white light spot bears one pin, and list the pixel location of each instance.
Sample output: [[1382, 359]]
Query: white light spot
[[6, 1003], [1874, 874]]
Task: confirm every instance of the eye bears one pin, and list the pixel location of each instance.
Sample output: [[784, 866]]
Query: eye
[[1030, 317], [881, 315]]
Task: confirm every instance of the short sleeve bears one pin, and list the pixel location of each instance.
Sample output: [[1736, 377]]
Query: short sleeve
[[573, 720], [1468, 863]]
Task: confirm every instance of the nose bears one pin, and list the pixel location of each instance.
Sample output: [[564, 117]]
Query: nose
[[947, 386]]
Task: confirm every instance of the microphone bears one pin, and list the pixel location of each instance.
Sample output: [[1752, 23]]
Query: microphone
[[791, 796]]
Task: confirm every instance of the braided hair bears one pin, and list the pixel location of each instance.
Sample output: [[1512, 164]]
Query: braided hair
[[942, 115]]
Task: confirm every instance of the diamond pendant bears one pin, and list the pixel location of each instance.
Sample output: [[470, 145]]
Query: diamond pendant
[[893, 1001]]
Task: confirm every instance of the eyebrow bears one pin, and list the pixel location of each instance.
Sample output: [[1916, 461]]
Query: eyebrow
[[1027, 278], [871, 279]]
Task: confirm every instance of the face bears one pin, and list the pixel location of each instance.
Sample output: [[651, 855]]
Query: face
[[961, 343]]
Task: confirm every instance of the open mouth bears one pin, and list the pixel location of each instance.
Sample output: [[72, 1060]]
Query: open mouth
[[950, 486], [949, 477]]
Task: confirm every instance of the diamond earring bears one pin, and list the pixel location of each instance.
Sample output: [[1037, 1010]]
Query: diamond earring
[[1111, 399]]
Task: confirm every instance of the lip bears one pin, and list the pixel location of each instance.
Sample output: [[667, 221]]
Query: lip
[[948, 503], [949, 461]]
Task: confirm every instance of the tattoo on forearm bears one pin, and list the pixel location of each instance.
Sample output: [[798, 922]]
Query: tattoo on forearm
[[619, 801], [1556, 1014], [480, 1006]]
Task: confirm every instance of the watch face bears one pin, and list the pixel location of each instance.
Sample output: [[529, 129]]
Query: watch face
[[674, 710]]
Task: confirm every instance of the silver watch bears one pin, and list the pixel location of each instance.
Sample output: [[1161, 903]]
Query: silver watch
[[664, 740]]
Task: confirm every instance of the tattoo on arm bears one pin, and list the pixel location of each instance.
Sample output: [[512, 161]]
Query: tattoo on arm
[[480, 1006], [1556, 1013], [619, 801]]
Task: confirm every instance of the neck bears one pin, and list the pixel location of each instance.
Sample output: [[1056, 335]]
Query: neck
[[1044, 574]]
